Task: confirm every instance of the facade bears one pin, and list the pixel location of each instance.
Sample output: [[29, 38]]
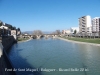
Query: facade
[[13, 32], [66, 32], [96, 26], [72, 29], [4, 31], [18, 32], [7, 29], [3, 27], [85, 25]]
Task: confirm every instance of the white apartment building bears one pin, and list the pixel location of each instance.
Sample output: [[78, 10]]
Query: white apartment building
[[85, 25], [72, 29], [96, 26]]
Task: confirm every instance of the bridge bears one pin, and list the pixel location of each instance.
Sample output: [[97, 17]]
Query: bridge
[[50, 35], [39, 36], [45, 35]]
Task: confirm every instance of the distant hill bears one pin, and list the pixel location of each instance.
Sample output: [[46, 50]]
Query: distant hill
[[30, 32]]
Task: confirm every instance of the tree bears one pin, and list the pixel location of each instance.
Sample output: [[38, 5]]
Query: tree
[[37, 32], [1, 23], [10, 27], [18, 29], [13, 28], [58, 32], [53, 32], [75, 32]]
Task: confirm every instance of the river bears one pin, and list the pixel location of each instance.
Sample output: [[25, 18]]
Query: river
[[54, 57]]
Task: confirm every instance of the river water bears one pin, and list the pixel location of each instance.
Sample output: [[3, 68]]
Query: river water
[[54, 57]]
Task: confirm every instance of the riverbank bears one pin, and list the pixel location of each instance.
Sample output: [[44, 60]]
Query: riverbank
[[24, 40], [80, 42]]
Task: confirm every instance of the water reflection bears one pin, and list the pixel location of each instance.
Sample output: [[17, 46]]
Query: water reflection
[[54, 54], [90, 56]]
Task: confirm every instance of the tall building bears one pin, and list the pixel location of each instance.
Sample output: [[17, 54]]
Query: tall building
[[85, 24], [96, 26]]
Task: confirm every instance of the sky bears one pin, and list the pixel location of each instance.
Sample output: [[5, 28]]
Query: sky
[[47, 15]]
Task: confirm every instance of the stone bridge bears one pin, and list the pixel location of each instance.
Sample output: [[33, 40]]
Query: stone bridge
[[39, 36], [50, 35], [45, 35]]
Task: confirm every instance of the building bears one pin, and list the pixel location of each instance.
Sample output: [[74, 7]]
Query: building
[[7, 30], [66, 31], [85, 25], [18, 33], [4, 31], [96, 26], [13, 32], [72, 29], [3, 27]]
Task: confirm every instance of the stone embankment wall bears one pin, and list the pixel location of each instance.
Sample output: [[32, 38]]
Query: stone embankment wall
[[5, 44], [2, 62]]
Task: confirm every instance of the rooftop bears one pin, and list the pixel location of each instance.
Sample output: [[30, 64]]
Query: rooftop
[[84, 16]]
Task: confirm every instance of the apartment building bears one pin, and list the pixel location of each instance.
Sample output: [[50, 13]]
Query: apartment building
[[96, 26], [85, 25]]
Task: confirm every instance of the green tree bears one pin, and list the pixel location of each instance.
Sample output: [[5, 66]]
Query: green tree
[[18, 29], [10, 27], [1, 24], [75, 31], [13, 28]]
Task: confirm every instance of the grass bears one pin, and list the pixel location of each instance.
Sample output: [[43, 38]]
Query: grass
[[92, 40], [22, 39]]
